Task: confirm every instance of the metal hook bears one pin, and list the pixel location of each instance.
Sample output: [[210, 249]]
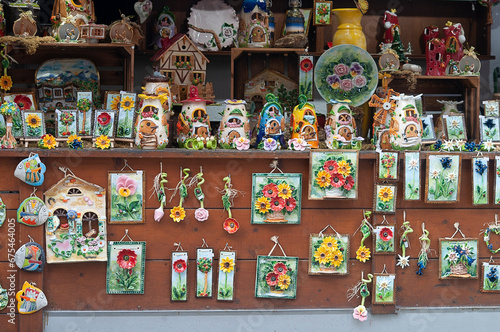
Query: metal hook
[[31, 239], [178, 245], [126, 165], [227, 247], [204, 244], [126, 235], [384, 270]]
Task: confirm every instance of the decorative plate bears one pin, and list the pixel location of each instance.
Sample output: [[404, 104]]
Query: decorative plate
[[346, 72], [216, 16]]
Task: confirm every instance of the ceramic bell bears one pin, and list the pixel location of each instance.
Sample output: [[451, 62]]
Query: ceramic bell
[[30, 257], [406, 127], [254, 24], [340, 127], [454, 40], [32, 212], [30, 299], [434, 53], [31, 170], [271, 124], [304, 123], [391, 22], [193, 125], [234, 124]]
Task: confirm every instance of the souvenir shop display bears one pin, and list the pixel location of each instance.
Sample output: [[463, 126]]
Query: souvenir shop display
[[30, 257], [30, 299], [31, 170], [227, 271], [178, 283], [458, 257], [329, 253], [204, 271]]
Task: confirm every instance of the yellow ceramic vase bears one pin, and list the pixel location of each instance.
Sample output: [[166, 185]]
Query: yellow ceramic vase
[[349, 30]]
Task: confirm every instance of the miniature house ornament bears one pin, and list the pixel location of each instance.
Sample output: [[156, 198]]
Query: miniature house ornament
[[31, 170], [406, 127], [304, 122], [340, 127], [254, 24], [235, 125], [271, 125], [454, 40]]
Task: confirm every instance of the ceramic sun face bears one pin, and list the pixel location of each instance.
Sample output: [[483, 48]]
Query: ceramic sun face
[[340, 126], [271, 121], [304, 122], [406, 125], [193, 121], [234, 123]]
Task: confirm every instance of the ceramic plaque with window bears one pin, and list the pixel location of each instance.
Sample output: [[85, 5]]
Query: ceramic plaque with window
[[76, 227], [126, 197]]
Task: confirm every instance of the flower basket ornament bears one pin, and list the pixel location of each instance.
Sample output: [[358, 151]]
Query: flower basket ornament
[[329, 253], [360, 313], [458, 257]]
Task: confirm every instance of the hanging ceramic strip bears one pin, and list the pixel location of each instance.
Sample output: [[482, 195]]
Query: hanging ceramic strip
[[84, 107], [497, 180], [227, 269], [179, 287], [125, 272], [388, 165], [442, 182], [480, 193], [306, 74], [412, 176], [204, 272], [489, 277], [126, 116], [384, 288], [126, 197]]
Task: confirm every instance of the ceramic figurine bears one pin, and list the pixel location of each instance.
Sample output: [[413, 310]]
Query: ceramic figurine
[[143, 9], [340, 127], [469, 65], [193, 126], [82, 11], [30, 299], [271, 125], [304, 123], [234, 124], [391, 22], [254, 24], [165, 26], [32, 212], [430, 32], [68, 31], [434, 53], [2, 27], [30, 257], [454, 40], [31, 170], [25, 25], [384, 110], [406, 127]]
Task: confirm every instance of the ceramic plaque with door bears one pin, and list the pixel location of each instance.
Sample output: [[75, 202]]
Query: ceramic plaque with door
[[458, 258], [178, 282], [329, 254], [276, 277], [126, 263], [442, 182], [126, 197]]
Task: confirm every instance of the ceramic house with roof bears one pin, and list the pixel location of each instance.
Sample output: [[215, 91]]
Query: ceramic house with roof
[[304, 122], [254, 24], [406, 126], [76, 228], [340, 126], [271, 124], [267, 81]]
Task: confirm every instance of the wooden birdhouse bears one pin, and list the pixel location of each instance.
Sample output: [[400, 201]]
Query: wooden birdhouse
[[234, 122], [340, 126], [304, 123], [406, 126], [254, 24]]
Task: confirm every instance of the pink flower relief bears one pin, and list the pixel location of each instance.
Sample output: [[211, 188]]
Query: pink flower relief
[[341, 69], [242, 143], [359, 81], [360, 313], [201, 214], [158, 214], [346, 85], [125, 186]]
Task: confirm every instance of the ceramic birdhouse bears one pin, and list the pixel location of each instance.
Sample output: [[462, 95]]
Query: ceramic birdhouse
[[391, 22], [304, 123], [406, 126], [254, 24], [340, 127], [454, 40], [434, 53], [234, 124], [430, 32], [193, 125], [271, 125]]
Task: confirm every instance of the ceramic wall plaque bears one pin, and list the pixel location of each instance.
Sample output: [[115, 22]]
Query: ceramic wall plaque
[[66, 123], [458, 258], [454, 126], [383, 239], [3, 212], [491, 107], [333, 174], [112, 100], [126, 197], [442, 182], [412, 186], [33, 124], [497, 180], [489, 128], [384, 200], [30, 257], [428, 131], [480, 184], [30, 299], [84, 106], [126, 116], [104, 123], [4, 298], [388, 165], [227, 271], [32, 212], [125, 272], [329, 254], [178, 282], [384, 288], [204, 272], [306, 75], [489, 277], [276, 277], [31, 170], [276, 198]]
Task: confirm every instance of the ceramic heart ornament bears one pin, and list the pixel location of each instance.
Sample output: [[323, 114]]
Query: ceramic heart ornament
[[143, 9], [30, 299]]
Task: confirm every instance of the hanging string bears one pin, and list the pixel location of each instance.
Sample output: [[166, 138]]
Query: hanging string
[[364, 221], [227, 247], [274, 166], [204, 244], [479, 154], [126, 165], [491, 260], [276, 243], [180, 183], [384, 270], [126, 235], [191, 182], [66, 170], [159, 179], [457, 230], [33, 193], [385, 221], [229, 190], [179, 247], [30, 238], [324, 229]]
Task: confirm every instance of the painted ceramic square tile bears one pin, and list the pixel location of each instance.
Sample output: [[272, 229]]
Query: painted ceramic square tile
[[384, 239], [84, 106], [384, 289], [112, 100], [428, 131], [33, 124], [489, 276], [489, 128], [442, 182], [306, 74], [412, 176], [179, 276], [125, 274], [227, 269], [276, 198], [388, 165], [104, 123], [333, 174], [480, 194], [491, 108], [66, 123], [458, 258], [497, 180], [126, 116], [385, 199], [455, 127], [126, 197], [204, 272], [329, 254], [276, 277], [25, 101], [322, 12]]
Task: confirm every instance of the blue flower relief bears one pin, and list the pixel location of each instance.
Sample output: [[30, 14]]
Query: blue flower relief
[[470, 146], [480, 167], [445, 162], [489, 123], [438, 145]]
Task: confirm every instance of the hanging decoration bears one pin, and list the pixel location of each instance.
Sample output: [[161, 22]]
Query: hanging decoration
[[125, 271], [32, 211], [230, 225], [388, 165], [204, 271], [442, 183], [425, 249], [31, 170], [363, 253], [383, 238], [360, 313], [304, 126], [179, 274], [497, 180], [30, 257], [227, 271], [329, 253], [4, 298], [30, 299], [458, 257], [177, 213], [480, 184], [489, 277], [384, 200], [201, 214], [84, 106], [492, 228], [412, 176], [404, 243], [384, 285], [306, 75], [159, 189]]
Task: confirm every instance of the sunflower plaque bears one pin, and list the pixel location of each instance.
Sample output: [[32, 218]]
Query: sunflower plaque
[[276, 277], [329, 254], [227, 268]]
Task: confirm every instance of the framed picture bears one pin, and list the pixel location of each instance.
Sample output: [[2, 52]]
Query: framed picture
[[276, 277], [227, 269], [489, 128], [442, 181], [333, 174], [126, 116], [329, 254], [480, 184], [322, 12], [383, 239], [85, 117], [497, 180], [384, 288], [454, 126], [388, 165], [126, 197], [204, 272], [306, 12], [179, 276], [104, 123], [458, 258], [489, 277], [491, 108], [112, 100], [385, 199], [125, 273], [428, 131], [25, 101], [33, 124], [276, 198], [412, 176], [66, 123]]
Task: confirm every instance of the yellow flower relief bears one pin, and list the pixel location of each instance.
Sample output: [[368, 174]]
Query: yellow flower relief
[[323, 179], [263, 205], [385, 194], [177, 213], [49, 142], [115, 103], [344, 168], [322, 255], [102, 142], [363, 254], [336, 258], [284, 191], [330, 243], [284, 281], [33, 120], [227, 265], [127, 103]]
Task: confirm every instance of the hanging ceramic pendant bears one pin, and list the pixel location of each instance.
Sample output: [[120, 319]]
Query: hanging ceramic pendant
[[177, 213], [234, 130], [201, 214], [4, 298], [31, 170], [30, 299], [204, 271], [304, 123], [363, 253], [143, 9], [271, 125], [3, 212], [227, 270], [30, 257], [404, 243], [230, 225], [32, 212], [360, 311], [159, 188]]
